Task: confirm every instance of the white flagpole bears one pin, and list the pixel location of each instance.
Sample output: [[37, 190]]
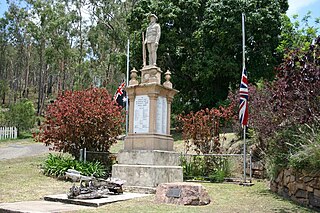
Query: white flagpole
[[127, 83], [244, 127]]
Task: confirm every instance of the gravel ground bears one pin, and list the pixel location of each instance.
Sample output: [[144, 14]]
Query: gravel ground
[[14, 150]]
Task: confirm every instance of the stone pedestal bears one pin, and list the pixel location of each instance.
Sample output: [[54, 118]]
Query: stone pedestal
[[148, 158]]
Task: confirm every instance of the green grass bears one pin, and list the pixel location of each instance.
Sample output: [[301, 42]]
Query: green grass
[[21, 180], [5, 143]]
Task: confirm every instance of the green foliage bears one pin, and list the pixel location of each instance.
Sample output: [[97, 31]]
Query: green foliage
[[25, 135], [285, 113], [212, 168], [21, 115], [57, 165], [297, 34], [307, 156], [2, 117], [204, 53], [297, 147]]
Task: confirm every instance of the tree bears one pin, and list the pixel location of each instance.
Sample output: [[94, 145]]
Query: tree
[[81, 119], [297, 34], [21, 115], [285, 113], [204, 53]]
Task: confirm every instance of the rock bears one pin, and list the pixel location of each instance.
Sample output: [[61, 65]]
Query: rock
[[314, 201], [301, 194], [280, 177], [292, 188], [182, 193], [309, 189], [307, 179], [273, 186], [292, 178], [316, 192], [301, 186], [286, 180]]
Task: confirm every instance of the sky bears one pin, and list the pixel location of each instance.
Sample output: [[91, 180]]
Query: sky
[[300, 7]]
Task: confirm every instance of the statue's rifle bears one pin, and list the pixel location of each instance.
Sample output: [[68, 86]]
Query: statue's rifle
[[143, 51]]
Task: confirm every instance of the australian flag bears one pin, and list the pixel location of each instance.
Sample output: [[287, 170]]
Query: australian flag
[[120, 96], [244, 94]]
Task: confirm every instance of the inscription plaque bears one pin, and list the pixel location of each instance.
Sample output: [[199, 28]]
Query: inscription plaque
[[141, 114], [161, 122], [174, 192]]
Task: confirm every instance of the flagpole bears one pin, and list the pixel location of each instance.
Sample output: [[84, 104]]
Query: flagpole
[[244, 126], [127, 98]]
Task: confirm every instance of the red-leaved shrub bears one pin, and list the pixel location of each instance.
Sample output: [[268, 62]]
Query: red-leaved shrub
[[81, 119], [201, 129]]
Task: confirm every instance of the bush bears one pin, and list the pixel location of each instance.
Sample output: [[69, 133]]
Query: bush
[[57, 165], [282, 111], [202, 129], [21, 115], [82, 119], [211, 168]]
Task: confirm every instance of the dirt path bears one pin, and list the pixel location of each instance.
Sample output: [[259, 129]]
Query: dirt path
[[17, 150]]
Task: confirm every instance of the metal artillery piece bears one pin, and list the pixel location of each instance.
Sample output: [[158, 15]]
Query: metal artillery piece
[[92, 187]]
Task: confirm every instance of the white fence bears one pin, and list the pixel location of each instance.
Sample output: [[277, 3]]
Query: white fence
[[8, 133]]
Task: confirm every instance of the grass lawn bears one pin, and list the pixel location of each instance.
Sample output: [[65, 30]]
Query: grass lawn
[[5, 143], [21, 180]]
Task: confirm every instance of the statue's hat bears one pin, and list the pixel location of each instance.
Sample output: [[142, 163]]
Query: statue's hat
[[153, 15]]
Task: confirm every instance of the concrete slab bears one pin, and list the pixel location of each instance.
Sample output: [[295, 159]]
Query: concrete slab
[[39, 207], [94, 202], [63, 204]]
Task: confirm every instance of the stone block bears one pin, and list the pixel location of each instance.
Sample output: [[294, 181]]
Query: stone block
[[182, 194], [292, 178], [309, 189], [258, 165], [307, 179], [147, 175], [301, 185], [287, 173], [292, 188], [314, 201], [302, 201], [316, 192], [301, 194], [286, 180], [148, 141], [280, 177], [147, 157], [273, 187]]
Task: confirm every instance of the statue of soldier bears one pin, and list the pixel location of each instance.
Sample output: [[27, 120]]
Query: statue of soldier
[[152, 39]]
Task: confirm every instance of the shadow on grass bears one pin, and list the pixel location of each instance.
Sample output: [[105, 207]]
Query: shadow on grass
[[299, 208]]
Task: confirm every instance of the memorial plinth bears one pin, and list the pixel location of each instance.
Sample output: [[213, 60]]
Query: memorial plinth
[[148, 158]]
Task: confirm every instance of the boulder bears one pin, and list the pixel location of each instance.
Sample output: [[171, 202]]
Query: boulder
[[182, 194]]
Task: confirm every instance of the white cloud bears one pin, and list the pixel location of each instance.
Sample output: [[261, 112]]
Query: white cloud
[[296, 5]]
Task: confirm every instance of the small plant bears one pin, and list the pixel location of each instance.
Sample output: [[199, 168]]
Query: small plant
[[211, 168], [217, 176], [57, 165]]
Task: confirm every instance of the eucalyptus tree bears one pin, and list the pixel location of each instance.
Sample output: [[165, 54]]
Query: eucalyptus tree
[[108, 38], [298, 34]]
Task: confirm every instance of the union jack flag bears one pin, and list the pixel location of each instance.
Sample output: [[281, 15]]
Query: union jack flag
[[120, 95], [244, 94]]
